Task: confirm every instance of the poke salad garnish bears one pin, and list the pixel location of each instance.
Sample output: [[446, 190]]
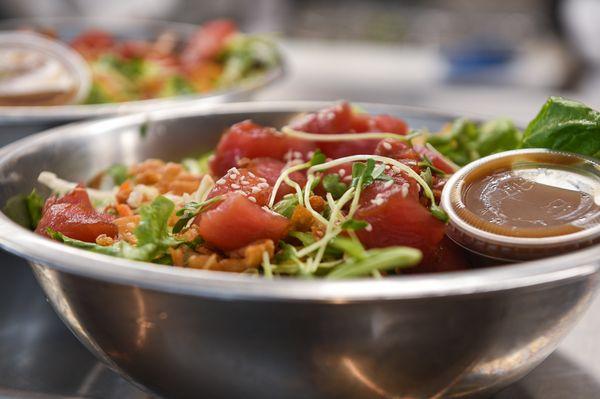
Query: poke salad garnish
[[336, 193], [216, 57]]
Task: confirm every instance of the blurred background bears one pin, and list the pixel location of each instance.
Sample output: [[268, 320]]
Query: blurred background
[[484, 57]]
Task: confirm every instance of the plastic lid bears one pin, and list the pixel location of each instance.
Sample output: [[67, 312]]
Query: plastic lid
[[35, 70], [525, 204]]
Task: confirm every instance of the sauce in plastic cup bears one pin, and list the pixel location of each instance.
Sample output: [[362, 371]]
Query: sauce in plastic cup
[[525, 204], [35, 70]]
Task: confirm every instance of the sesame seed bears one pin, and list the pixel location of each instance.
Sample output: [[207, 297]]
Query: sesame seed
[[251, 174], [235, 186], [369, 227], [252, 199], [388, 183], [262, 180], [240, 192], [342, 172], [378, 200], [386, 145], [221, 181], [255, 190], [244, 182], [405, 187]]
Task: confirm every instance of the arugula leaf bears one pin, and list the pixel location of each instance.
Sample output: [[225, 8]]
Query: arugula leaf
[[25, 210], [287, 253], [427, 163], [190, 210], [245, 55], [363, 172], [459, 143], [176, 85], [377, 259], [496, 136], [118, 173], [203, 162], [333, 185], [120, 249], [34, 203], [285, 207], [565, 125], [427, 176], [305, 238], [353, 224], [154, 219], [317, 158]]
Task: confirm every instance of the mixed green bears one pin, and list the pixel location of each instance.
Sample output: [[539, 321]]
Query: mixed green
[[337, 193], [216, 57]]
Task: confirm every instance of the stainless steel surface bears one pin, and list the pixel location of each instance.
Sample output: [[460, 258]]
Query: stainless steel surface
[[67, 28], [40, 358], [183, 332]]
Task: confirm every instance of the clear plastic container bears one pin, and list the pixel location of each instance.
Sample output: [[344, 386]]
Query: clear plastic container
[[525, 204], [35, 70]]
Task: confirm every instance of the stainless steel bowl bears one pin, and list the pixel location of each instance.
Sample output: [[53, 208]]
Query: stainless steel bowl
[[69, 27], [188, 333]]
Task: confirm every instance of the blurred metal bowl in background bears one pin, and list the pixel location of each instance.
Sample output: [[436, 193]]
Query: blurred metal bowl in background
[[191, 333], [123, 28]]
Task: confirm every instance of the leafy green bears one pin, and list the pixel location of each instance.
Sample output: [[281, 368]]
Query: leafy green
[[305, 238], [25, 210], [363, 172], [317, 158], [154, 219], [496, 136], [377, 260], [98, 95], [467, 141], [427, 176], [203, 162], [565, 125], [131, 68], [121, 249], [459, 143], [427, 163], [190, 210], [118, 173], [333, 185], [245, 55], [177, 85], [285, 207], [353, 224]]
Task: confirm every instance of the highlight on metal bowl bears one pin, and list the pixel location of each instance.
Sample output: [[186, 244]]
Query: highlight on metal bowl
[[340, 193]]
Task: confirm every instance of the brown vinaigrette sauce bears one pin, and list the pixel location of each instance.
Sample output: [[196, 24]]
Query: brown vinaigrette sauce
[[532, 198]]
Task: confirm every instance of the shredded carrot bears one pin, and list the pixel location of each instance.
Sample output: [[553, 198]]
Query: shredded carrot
[[123, 210]]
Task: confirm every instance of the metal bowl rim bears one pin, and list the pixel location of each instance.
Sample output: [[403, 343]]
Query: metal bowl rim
[[12, 115], [39, 250]]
